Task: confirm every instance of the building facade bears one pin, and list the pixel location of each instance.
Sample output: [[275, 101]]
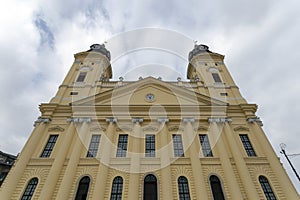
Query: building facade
[[148, 139], [6, 162]]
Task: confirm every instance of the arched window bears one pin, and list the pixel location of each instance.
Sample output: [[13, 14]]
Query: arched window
[[116, 189], [266, 188], [150, 187], [216, 188], [28, 193], [183, 188], [83, 188]]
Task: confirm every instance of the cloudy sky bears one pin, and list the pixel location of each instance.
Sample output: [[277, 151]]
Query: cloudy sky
[[260, 39]]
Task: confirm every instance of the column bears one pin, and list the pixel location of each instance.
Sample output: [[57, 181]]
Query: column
[[105, 153], [63, 146], [66, 184], [16, 172], [283, 179], [133, 189], [166, 176], [217, 138], [240, 163], [189, 136]]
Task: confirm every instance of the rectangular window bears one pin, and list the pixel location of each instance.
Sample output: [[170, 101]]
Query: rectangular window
[[177, 145], [49, 146], [122, 146], [216, 77], [150, 145], [81, 77], [247, 145], [206, 150], [93, 148]]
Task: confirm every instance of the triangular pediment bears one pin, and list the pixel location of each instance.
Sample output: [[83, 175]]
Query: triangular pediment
[[149, 91]]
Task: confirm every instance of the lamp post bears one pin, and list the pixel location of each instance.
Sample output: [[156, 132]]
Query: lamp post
[[283, 146]]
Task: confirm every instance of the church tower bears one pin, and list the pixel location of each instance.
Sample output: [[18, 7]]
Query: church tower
[[148, 139]]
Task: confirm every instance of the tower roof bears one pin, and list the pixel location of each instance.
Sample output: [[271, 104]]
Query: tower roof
[[198, 49], [101, 49]]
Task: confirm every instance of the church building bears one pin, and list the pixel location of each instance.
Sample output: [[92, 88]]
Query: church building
[[148, 139]]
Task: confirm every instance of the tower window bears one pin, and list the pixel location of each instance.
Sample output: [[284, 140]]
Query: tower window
[[81, 76], [28, 193], [83, 188], [183, 188], [122, 146], [150, 187], [177, 145], [116, 189], [150, 145], [216, 77], [93, 148], [247, 145], [206, 150], [49, 146], [216, 188], [265, 185]]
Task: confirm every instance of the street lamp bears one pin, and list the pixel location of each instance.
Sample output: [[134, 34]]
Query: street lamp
[[283, 146]]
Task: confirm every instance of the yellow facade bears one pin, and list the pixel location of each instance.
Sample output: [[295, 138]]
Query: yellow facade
[[59, 158]]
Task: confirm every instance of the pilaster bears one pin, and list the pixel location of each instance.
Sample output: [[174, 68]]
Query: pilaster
[[16, 172], [215, 131], [166, 176], [135, 160], [68, 178], [105, 150], [189, 136]]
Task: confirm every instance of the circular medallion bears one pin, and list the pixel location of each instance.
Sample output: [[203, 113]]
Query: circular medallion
[[149, 97]]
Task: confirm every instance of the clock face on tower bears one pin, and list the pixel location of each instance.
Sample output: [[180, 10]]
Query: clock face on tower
[[149, 97]]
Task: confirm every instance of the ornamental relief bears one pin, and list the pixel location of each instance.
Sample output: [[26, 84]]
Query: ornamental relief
[[56, 129], [241, 128]]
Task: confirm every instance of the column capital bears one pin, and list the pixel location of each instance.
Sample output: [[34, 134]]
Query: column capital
[[79, 119], [255, 119], [163, 119], [137, 120], [219, 120], [41, 120], [111, 120], [188, 119]]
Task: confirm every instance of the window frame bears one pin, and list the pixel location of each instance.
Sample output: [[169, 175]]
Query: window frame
[[122, 145], [150, 141], [177, 145], [117, 193], [205, 145], [150, 181], [213, 188], [183, 188], [81, 77], [247, 145], [48, 148], [80, 184], [94, 146], [30, 189], [216, 76], [266, 188]]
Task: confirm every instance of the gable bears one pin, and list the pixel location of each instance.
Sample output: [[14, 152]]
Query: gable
[[137, 93]]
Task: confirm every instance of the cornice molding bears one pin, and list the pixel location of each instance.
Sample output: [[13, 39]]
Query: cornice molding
[[41, 120], [219, 120], [79, 119], [255, 119]]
